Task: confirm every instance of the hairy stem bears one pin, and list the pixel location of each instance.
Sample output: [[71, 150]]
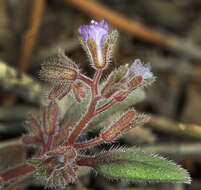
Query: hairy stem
[[18, 171], [87, 117], [95, 82], [105, 106], [89, 143], [85, 79], [18, 182]]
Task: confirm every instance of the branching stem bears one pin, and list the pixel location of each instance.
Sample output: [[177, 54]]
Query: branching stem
[[105, 106], [87, 117], [18, 171], [85, 79]]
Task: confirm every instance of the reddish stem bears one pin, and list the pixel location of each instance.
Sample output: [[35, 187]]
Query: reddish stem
[[105, 106], [95, 82], [85, 79], [21, 181], [82, 123], [18, 171], [89, 143]]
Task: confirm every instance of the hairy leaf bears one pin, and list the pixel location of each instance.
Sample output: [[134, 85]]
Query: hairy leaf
[[137, 165]]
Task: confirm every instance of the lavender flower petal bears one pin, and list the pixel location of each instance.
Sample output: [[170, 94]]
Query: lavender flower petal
[[97, 30], [140, 69]]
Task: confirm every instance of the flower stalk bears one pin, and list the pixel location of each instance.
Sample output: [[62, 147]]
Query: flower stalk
[[88, 116]]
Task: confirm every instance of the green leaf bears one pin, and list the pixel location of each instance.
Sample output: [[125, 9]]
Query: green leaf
[[136, 165]]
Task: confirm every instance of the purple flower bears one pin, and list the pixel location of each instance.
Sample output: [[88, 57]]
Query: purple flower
[[97, 30], [97, 42], [140, 70]]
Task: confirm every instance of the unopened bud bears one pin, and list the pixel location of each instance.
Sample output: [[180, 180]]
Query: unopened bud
[[50, 118], [115, 130], [58, 73], [59, 68], [79, 91], [114, 83], [34, 126]]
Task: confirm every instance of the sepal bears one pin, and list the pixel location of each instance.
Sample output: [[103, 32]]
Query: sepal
[[79, 91], [109, 46], [93, 53], [140, 70], [59, 91]]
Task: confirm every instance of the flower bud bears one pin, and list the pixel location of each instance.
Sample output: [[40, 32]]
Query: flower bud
[[79, 91], [114, 82], [50, 118], [58, 73], [34, 126], [116, 129], [59, 69]]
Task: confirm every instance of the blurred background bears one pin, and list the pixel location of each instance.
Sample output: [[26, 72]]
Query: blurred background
[[166, 33]]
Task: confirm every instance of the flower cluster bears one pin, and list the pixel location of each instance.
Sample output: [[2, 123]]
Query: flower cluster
[[57, 159], [125, 79]]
